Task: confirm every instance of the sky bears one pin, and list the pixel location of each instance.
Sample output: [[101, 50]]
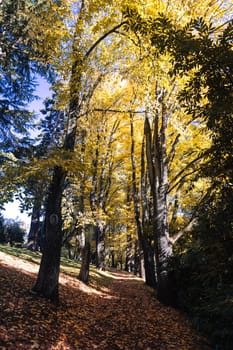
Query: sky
[[12, 209]]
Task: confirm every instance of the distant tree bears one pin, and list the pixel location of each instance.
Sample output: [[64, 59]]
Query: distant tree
[[13, 231], [20, 65], [2, 236], [17, 83]]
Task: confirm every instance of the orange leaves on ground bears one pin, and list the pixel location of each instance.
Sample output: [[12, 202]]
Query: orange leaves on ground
[[126, 316]]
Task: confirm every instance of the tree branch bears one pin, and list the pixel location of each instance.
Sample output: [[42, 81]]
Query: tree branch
[[113, 30], [192, 220], [118, 111], [182, 171], [222, 25]]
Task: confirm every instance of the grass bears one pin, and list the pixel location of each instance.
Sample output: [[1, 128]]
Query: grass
[[70, 267], [22, 253]]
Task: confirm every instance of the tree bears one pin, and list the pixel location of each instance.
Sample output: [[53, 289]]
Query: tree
[[20, 63], [208, 95], [13, 232], [18, 75], [47, 280], [166, 40], [35, 188], [2, 235], [145, 244]]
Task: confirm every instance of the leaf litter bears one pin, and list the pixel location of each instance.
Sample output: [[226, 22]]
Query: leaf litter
[[126, 315]]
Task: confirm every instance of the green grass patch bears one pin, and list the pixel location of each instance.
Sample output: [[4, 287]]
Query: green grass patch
[[21, 253], [68, 266]]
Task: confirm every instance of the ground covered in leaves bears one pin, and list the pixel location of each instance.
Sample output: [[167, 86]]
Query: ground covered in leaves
[[120, 315]]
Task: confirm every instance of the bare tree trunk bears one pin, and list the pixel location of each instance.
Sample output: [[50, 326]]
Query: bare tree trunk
[[158, 174], [98, 198], [136, 265], [85, 239], [128, 254], [147, 218], [47, 279], [34, 232], [100, 246], [147, 264], [86, 255]]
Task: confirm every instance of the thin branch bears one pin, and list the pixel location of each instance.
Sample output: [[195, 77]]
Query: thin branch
[[179, 182], [184, 169], [222, 25], [186, 229], [113, 30], [172, 152], [118, 111], [128, 37], [192, 221]]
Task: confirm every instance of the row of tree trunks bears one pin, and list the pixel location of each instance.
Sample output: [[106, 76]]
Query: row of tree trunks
[[101, 182]]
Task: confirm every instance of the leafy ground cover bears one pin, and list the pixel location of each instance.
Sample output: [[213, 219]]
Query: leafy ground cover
[[115, 311]]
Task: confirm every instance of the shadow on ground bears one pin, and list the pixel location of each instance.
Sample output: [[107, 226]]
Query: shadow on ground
[[123, 316]]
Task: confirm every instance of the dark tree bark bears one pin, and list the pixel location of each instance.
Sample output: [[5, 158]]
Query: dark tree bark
[[113, 265], [47, 279], [86, 256], [85, 237], [128, 255], [158, 175], [34, 232], [137, 260], [147, 219], [48, 276], [148, 263]]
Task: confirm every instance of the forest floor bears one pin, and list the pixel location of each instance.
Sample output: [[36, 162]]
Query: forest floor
[[120, 313]]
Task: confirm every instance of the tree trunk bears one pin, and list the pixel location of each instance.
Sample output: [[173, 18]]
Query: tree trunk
[[163, 254], [100, 247], [34, 232], [86, 255], [85, 236], [136, 265], [47, 279], [113, 265], [147, 219], [158, 175], [128, 255], [147, 265]]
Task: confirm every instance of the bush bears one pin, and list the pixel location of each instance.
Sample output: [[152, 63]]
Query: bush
[[204, 283]]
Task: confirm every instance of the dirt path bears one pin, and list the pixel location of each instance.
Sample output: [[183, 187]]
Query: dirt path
[[123, 316]]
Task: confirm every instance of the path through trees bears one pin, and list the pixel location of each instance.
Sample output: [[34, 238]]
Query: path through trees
[[122, 315]]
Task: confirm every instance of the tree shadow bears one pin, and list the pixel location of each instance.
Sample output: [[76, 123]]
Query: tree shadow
[[32, 322]]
